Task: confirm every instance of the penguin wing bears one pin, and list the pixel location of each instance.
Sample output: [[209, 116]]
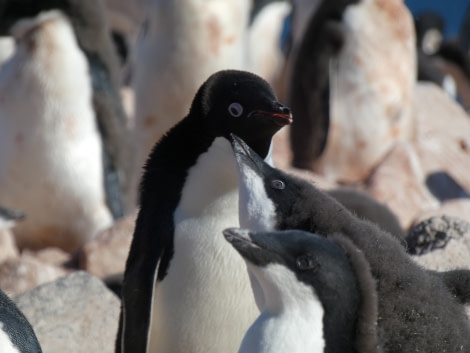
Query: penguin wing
[[147, 264], [310, 90]]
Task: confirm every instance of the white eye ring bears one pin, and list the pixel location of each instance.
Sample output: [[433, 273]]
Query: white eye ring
[[235, 109], [278, 184]]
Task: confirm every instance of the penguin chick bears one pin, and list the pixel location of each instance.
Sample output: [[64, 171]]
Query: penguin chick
[[178, 290], [16, 333], [365, 206], [50, 148], [313, 300], [416, 309]]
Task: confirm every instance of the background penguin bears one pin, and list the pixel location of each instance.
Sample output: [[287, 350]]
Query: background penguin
[[179, 46], [419, 310], [16, 333], [90, 27], [313, 300], [50, 148], [178, 285], [266, 56], [351, 94]]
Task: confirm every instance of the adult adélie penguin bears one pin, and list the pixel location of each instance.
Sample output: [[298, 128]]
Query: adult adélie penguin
[[315, 291], [183, 291], [418, 310]]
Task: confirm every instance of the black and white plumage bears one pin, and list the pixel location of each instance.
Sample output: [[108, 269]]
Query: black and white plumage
[[351, 93], [313, 298], [418, 310], [16, 333], [177, 291]]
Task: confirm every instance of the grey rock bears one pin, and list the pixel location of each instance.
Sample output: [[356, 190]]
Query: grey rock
[[74, 314]]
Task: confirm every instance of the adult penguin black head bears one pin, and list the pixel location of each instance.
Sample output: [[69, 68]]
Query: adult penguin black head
[[242, 103]]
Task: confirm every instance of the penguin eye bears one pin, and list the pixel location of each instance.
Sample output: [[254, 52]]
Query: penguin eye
[[305, 262], [235, 109], [278, 184]]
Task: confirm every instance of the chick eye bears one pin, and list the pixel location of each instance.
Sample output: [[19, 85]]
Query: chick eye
[[278, 184], [305, 262], [235, 109]]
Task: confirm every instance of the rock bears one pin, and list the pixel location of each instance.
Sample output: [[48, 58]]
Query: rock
[[51, 256], [73, 314], [399, 183], [106, 254], [24, 273], [441, 243], [8, 249]]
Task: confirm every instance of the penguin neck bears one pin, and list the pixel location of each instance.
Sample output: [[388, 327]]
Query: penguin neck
[[291, 319], [176, 154]]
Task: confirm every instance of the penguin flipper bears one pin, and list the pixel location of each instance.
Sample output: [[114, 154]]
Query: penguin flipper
[[147, 264]]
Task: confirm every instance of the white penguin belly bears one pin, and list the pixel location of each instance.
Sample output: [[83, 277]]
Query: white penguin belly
[[205, 303]]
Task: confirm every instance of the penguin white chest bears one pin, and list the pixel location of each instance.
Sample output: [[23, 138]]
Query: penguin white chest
[[204, 304]]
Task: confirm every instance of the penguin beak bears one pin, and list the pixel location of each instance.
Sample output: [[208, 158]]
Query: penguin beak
[[281, 118], [245, 155], [238, 237]]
